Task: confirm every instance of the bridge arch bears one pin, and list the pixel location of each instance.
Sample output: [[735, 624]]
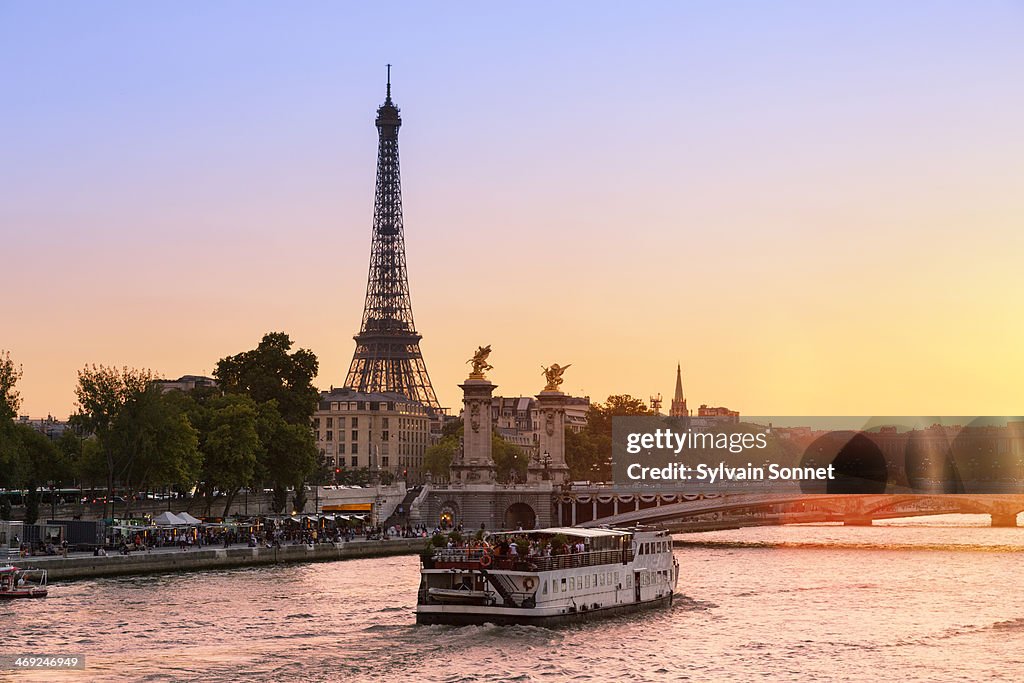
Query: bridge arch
[[448, 514], [520, 515]]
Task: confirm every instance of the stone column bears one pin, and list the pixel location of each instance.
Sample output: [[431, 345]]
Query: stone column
[[474, 464], [551, 435]]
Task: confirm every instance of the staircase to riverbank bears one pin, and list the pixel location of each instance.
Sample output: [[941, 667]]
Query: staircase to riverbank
[[400, 517]]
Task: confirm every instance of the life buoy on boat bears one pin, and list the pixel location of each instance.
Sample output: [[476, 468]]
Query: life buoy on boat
[[529, 583], [485, 559]]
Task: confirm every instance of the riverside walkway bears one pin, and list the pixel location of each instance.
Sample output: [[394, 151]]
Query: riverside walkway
[[157, 560]]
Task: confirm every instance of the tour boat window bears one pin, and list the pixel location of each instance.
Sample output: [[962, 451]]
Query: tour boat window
[[587, 582], [563, 585], [595, 580], [572, 583], [545, 589]]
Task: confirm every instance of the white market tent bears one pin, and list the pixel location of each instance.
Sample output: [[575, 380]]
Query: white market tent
[[169, 519], [188, 519]]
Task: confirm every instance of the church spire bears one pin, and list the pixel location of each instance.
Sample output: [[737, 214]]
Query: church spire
[[678, 408]]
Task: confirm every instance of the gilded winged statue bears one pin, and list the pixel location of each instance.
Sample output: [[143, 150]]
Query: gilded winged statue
[[554, 375], [479, 361]]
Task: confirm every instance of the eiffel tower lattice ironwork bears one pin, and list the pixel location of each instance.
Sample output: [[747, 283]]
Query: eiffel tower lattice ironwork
[[387, 356]]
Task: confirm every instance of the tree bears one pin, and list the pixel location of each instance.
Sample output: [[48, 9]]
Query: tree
[[102, 394], [153, 444], [39, 463], [585, 453], [270, 373], [10, 399], [599, 417], [12, 456], [281, 384], [589, 453], [288, 454], [438, 458], [230, 446], [510, 461]]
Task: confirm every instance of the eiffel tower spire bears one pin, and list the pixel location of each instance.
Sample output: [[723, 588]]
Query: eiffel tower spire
[[387, 356]]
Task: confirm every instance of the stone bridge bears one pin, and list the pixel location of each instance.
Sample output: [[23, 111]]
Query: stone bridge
[[676, 511]]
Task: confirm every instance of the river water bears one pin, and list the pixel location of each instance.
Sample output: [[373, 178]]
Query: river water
[[940, 599]]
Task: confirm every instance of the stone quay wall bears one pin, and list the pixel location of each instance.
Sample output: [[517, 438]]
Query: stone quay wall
[[158, 561]]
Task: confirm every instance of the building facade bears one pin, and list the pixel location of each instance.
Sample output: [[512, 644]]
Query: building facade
[[517, 418], [384, 432]]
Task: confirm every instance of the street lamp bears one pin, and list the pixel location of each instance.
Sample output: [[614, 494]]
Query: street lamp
[[546, 462], [53, 502]]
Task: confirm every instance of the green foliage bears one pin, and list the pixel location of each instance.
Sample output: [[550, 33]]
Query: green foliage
[[589, 453], [5, 509], [270, 373], [91, 468], [102, 393], [27, 456], [10, 399], [230, 444], [452, 428], [437, 459], [153, 443], [41, 461], [288, 453], [357, 477], [599, 417], [439, 540], [280, 384], [13, 463], [510, 461]]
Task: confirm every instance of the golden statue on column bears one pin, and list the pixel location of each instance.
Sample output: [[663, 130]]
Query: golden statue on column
[[479, 362], [553, 375]]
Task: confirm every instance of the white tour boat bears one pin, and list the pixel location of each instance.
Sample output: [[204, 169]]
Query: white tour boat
[[547, 577]]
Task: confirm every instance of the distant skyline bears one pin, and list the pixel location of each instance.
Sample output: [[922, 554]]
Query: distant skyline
[[817, 208]]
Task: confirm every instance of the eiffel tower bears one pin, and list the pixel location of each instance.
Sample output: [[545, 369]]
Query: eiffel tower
[[387, 356]]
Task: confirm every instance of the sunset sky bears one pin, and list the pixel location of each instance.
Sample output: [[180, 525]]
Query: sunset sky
[[816, 207]]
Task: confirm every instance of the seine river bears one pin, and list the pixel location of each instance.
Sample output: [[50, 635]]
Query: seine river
[[934, 600]]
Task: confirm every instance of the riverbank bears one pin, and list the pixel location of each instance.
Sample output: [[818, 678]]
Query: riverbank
[[173, 560]]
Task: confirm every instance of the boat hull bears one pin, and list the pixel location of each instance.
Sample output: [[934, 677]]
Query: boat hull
[[466, 616], [16, 595]]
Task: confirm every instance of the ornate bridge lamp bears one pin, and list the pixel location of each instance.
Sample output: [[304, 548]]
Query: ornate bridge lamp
[[545, 461]]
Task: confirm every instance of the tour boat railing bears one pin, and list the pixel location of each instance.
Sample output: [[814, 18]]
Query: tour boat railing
[[540, 563]]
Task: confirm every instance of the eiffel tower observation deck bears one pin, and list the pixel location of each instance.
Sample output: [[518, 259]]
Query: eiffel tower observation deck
[[387, 356]]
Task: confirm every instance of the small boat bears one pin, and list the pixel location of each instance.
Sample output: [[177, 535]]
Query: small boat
[[459, 596], [22, 583]]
